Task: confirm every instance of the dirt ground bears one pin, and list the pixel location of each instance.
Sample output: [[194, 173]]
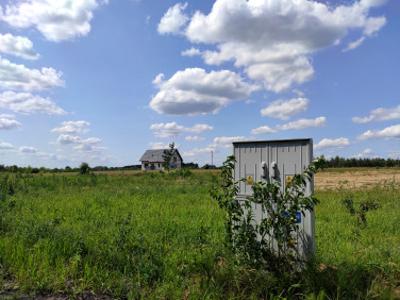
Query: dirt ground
[[356, 177]]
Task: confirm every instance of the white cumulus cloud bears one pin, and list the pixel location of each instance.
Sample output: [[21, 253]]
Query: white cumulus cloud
[[379, 114], [27, 103], [263, 130], [294, 125], [70, 134], [81, 144], [195, 91], [8, 122], [6, 146], [198, 151], [388, 132], [173, 20], [57, 20], [66, 139], [284, 109], [366, 153], [332, 143], [273, 40], [18, 46], [302, 124], [191, 52], [27, 150], [160, 145], [165, 130], [226, 141], [18, 77], [72, 127]]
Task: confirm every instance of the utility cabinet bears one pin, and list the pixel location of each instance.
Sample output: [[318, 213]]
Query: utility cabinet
[[276, 160]]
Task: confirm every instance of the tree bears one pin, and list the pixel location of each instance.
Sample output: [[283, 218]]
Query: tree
[[84, 168], [251, 242], [168, 155]]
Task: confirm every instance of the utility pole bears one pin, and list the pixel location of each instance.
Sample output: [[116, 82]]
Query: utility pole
[[212, 157]]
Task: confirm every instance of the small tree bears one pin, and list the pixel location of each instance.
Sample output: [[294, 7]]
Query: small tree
[[84, 168], [251, 242], [168, 155], [360, 213]]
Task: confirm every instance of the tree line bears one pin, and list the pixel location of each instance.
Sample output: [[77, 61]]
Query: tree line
[[333, 162], [376, 162]]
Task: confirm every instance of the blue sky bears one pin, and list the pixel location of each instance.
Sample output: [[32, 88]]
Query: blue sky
[[102, 81]]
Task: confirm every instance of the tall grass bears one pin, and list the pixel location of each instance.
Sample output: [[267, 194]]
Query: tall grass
[[159, 236]]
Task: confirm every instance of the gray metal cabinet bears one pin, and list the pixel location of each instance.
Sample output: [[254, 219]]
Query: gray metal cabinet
[[276, 160]]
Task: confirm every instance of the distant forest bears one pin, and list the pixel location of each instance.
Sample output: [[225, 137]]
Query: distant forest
[[341, 162], [334, 162]]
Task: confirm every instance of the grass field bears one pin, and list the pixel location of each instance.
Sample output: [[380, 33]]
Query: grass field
[[160, 236]]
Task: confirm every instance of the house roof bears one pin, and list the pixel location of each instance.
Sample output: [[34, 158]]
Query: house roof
[[156, 155]]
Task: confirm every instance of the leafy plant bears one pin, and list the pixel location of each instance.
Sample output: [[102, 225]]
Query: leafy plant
[[8, 185], [168, 156], [84, 168], [359, 213], [270, 243]]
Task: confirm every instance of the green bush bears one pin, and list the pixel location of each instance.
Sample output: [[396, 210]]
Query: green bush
[[84, 168]]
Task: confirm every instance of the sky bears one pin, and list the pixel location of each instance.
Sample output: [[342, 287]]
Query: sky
[[101, 81]]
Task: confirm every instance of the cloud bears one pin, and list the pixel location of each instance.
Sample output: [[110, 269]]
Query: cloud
[[56, 20], [284, 109], [219, 142], [66, 139], [198, 151], [195, 91], [28, 104], [14, 76], [81, 144], [295, 125], [165, 130], [72, 127], [302, 124], [366, 153], [73, 139], [18, 46], [6, 146], [173, 20], [394, 154], [159, 145], [372, 26], [90, 145], [355, 44], [69, 135], [191, 52], [8, 122], [263, 130], [273, 40], [27, 150], [332, 143], [379, 114], [194, 138], [158, 80], [388, 132], [52, 156], [226, 141]]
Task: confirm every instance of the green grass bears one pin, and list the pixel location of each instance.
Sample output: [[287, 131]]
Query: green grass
[[159, 236]]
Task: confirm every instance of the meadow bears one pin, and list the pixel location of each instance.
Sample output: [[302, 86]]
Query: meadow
[[160, 236]]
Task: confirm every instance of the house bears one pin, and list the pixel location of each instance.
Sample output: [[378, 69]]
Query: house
[[154, 159]]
